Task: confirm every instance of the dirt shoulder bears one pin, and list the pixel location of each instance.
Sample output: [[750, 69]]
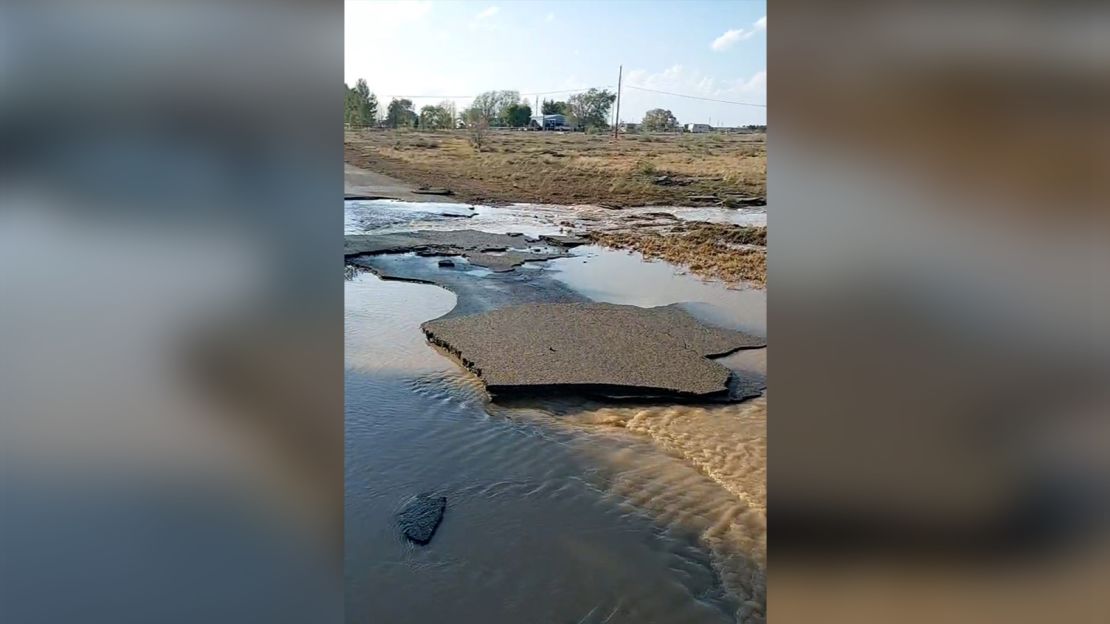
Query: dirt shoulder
[[570, 168]]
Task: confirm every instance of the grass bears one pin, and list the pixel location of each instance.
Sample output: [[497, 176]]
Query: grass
[[568, 168]]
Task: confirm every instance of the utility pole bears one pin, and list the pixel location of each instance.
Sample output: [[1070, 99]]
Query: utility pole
[[617, 118]]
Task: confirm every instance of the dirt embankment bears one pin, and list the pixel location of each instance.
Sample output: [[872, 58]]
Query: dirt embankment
[[570, 168]]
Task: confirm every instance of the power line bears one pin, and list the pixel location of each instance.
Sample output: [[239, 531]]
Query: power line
[[538, 93], [392, 95], [695, 97]]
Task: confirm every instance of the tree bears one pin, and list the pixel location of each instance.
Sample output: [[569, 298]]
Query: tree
[[435, 118], [492, 104], [400, 114], [360, 105], [351, 115], [659, 120], [477, 128], [516, 115], [555, 108], [448, 107], [591, 109]]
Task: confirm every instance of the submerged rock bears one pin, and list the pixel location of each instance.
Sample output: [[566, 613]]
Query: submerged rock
[[421, 516], [446, 263], [509, 260]]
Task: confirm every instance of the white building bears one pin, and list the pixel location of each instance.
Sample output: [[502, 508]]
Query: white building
[[695, 127]]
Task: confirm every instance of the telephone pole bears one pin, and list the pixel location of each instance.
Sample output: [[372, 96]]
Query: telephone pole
[[617, 117]]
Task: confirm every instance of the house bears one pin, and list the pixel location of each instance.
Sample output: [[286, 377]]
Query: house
[[549, 122], [696, 127], [628, 126]]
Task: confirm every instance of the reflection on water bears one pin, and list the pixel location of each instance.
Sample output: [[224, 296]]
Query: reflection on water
[[624, 277]]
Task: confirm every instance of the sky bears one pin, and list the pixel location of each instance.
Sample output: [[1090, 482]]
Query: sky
[[715, 50]]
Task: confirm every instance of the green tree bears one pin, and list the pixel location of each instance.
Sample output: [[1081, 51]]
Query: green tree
[[399, 114], [552, 107], [360, 105], [491, 105], [591, 109], [659, 120], [516, 115], [436, 118]]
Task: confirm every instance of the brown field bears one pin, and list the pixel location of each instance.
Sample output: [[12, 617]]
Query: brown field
[[570, 168]]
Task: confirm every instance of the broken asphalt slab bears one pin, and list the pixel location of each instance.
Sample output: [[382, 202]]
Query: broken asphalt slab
[[497, 252], [615, 350]]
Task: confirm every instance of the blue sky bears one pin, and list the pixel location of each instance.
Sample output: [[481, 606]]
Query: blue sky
[[709, 49]]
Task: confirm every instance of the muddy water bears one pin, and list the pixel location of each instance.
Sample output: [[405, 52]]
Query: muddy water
[[558, 511]]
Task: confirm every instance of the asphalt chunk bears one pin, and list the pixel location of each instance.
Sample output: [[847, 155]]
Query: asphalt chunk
[[603, 348], [421, 516], [497, 252]]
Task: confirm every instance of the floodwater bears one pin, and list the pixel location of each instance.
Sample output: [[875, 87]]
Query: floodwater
[[387, 215], [572, 510]]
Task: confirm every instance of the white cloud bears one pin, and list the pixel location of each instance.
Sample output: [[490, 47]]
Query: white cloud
[[679, 79], [550, 17], [732, 36], [691, 81], [729, 39], [488, 12]]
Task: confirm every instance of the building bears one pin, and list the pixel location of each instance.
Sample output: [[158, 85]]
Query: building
[[696, 127], [549, 122], [628, 126]]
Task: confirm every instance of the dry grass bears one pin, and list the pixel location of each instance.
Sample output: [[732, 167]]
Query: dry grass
[[731, 253], [571, 168]]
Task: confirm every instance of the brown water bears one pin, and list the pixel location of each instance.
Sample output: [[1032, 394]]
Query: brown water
[[558, 511]]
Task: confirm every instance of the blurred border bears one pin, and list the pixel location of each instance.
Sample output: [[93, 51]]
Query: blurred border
[[937, 298], [172, 327]]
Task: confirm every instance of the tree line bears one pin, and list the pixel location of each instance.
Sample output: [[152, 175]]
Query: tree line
[[589, 109], [586, 110]]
